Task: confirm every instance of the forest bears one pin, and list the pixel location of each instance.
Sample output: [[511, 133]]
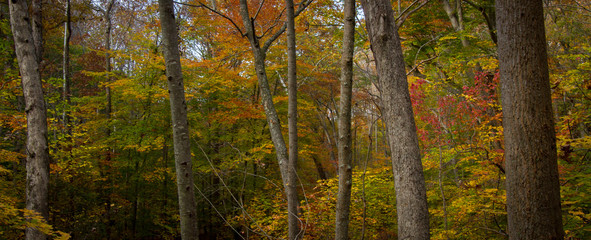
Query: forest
[[305, 119]]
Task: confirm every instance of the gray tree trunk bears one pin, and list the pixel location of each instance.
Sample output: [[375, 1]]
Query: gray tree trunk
[[259, 53], [37, 152], [344, 146], [180, 126], [292, 122], [456, 17], [411, 200], [533, 190]]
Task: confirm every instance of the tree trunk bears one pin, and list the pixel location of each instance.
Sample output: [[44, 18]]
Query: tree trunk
[[411, 200], [180, 126], [107, 18], [107, 165], [37, 163], [66, 70], [455, 15], [292, 122], [273, 121], [533, 190], [344, 146]]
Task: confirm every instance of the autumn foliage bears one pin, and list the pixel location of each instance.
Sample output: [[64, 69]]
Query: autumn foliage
[[454, 91]]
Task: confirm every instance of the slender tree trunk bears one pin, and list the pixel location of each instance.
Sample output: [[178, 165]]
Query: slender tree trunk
[[292, 122], [533, 190], [37, 163], [319, 167], [273, 121], [344, 147], [108, 110], [107, 18], [66, 69], [180, 127], [456, 17], [411, 200]]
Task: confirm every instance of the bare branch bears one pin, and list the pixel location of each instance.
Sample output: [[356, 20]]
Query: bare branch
[[421, 63], [400, 19], [302, 5], [258, 10], [202, 5]]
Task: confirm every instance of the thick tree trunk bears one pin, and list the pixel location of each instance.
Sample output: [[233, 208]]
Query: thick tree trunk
[[344, 147], [411, 200], [37, 153], [180, 127], [292, 122], [533, 190]]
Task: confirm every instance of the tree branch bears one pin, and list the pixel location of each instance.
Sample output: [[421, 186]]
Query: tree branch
[[402, 17], [202, 5], [302, 5]]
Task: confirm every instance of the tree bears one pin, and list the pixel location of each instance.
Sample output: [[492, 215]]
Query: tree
[[292, 122], [411, 199], [107, 11], [259, 53], [533, 190], [180, 126], [344, 146], [456, 16], [66, 68], [37, 152]]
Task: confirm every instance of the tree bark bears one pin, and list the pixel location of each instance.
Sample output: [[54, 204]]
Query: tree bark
[[533, 190], [411, 200], [180, 127], [344, 146], [37, 163], [292, 122]]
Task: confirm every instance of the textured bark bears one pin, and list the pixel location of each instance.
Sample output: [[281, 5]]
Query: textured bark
[[37, 27], [37, 163], [292, 122], [180, 126], [533, 190], [411, 200], [344, 146]]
